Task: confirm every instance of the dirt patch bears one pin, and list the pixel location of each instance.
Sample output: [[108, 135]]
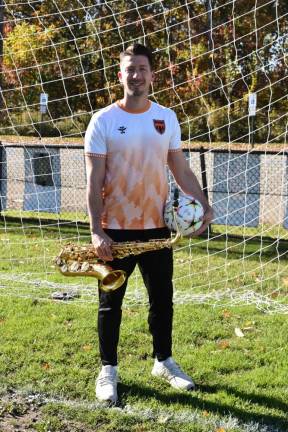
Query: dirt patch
[[19, 412]]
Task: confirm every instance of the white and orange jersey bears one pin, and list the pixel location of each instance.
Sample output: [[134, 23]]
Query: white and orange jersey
[[135, 146]]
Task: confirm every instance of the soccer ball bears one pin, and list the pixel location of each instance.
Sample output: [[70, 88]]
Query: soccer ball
[[183, 214]]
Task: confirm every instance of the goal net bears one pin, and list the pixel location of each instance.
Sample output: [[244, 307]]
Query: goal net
[[220, 65]]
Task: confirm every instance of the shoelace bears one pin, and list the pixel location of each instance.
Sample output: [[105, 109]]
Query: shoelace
[[174, 370], [107, 379]]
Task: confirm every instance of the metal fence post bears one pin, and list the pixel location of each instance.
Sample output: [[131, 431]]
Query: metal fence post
[[203, 171], [204, 179]]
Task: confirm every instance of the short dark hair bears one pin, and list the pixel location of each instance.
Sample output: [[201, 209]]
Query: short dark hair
[[138, 49]]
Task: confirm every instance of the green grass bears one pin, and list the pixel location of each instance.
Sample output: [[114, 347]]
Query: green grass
[[49, 355], [51, 349]]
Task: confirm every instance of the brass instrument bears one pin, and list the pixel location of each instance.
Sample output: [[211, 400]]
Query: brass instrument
[[75, 260]]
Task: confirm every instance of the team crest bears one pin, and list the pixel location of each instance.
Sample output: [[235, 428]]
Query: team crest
[[159, 126]]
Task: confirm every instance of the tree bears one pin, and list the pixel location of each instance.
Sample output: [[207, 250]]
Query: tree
[[209, 55]]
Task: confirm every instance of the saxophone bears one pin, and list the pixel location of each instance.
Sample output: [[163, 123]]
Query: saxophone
[[76, 260]]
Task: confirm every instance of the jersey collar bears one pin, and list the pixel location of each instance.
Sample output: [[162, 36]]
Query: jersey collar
[[146, 108]]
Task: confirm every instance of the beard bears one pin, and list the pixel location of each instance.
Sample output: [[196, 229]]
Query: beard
[[136, 91]]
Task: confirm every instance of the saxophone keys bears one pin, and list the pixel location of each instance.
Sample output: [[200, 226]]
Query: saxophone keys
[[74, 267], [85, 266], [58, 261], [64, 268]]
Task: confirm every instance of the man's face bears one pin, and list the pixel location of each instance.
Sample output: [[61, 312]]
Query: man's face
[[135, 75]]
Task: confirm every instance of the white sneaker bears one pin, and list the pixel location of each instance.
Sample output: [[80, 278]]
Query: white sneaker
[[171, 372], [106, 384]]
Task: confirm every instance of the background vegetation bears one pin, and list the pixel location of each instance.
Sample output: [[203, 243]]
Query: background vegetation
[[71, 52]]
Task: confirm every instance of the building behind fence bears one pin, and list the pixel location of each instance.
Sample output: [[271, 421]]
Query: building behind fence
[[245, 188]]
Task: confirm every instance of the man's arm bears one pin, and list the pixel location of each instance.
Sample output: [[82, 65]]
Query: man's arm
[[188, 182], [95, 170]]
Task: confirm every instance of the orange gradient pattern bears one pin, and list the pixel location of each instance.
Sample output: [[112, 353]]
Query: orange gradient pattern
[[135, 186]]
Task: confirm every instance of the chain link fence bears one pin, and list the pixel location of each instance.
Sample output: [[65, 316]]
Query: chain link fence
[[245, 188]]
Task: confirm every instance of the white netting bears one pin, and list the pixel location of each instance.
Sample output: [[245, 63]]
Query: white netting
[[209, 56]]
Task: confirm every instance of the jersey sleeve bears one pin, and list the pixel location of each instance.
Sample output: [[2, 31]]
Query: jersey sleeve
[[175, 140], [95, 141]]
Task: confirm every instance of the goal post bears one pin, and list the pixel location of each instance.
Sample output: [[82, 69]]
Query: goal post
[[220, 65]]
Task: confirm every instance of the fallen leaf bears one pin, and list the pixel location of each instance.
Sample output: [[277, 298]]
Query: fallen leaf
[[45, 366], [226, 314], [238, 332], [220, 430], [205, 413], [223, 344], [87, 347]]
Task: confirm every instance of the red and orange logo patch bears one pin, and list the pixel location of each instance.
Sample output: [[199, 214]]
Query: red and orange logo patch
[[159, 126]]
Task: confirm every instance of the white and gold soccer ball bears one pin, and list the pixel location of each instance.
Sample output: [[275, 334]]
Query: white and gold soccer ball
[[183, 214]]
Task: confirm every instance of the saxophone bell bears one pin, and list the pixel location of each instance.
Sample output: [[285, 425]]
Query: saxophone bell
[[109, 278]]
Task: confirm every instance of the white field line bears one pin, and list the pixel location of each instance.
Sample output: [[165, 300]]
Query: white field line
[[162, 416], [133, 298]]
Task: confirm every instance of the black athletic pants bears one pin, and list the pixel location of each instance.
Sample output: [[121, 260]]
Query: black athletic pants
[[156, 268]]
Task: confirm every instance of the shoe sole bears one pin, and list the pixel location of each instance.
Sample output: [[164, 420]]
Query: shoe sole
[[191, 388], [107, 402]]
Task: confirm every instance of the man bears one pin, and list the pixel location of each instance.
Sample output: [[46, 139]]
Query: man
[[127, 147]]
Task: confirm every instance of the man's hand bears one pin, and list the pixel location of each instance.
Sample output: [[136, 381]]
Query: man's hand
[[207, 219], [101, 243]]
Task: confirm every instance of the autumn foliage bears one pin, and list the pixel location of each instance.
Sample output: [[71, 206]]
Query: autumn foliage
[[206, 62]]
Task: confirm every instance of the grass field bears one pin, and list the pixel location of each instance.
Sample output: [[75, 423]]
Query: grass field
[[49, 355]]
